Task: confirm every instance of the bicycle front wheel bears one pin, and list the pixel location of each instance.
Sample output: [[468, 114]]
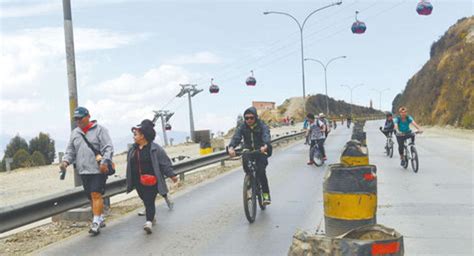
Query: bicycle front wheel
[[414, 159], [405, 156], [249, 197], [390, 149]]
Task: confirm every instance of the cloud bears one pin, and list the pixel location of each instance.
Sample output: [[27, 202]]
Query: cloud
[[20, 106], [28, 54], [130, 98], [30, 8], [204, 57]]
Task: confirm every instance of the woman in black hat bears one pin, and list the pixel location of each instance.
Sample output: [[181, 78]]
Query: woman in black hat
[[147, 166]]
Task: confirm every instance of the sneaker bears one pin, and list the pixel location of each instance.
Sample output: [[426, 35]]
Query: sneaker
[[102, 224], [310, 163], [141, 213], [95, 228], [402, 163], [266, 199], [147, 227]]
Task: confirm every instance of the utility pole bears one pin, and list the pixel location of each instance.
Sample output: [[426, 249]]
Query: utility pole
[[165, 116], [71, 72], [192, 91]]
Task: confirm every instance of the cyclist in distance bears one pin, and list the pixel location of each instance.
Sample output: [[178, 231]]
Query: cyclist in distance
[[402, 126], [388, 127], [317, 136], [256, 136]]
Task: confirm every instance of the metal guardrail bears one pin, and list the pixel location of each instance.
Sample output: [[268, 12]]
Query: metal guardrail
[[15, 216]]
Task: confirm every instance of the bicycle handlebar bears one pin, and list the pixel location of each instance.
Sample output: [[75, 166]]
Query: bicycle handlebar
[[399, 134]]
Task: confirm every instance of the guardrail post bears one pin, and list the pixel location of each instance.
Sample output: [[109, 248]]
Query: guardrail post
[[8, 161], [223, 163], [181, 176], [106, 205]]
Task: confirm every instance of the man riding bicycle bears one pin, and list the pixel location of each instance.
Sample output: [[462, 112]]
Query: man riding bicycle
[[388, 126], [317, 136], [256, 136], [402, 126]]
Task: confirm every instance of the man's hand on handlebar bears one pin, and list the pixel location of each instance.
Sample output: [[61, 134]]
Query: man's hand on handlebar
[[263, 149]]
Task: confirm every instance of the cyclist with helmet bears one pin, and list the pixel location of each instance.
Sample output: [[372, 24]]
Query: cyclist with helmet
[[402, 127]]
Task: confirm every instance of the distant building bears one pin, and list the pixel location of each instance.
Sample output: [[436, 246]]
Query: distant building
[[263, 105]]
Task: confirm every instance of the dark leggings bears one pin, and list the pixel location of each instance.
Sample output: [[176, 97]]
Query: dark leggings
[[401, 141], [320, 143], [148, 196], [262, 163]]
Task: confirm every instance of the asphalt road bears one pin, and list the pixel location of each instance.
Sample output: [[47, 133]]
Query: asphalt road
[[433, 209]]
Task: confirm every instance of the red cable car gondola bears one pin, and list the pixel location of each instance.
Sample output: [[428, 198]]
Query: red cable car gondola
[[424, 8], [213, 88], [168, 127], [251, 81], [358, 27]]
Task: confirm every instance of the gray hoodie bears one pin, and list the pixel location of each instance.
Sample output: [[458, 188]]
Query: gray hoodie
[[79, 153]]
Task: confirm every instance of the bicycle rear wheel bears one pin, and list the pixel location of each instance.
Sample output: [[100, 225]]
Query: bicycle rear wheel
[[414, 159], [390, 149], [249, 196], [405, 156]]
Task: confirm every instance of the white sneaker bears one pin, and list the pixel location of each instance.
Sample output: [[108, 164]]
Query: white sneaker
[[147, 227], [95, 228]]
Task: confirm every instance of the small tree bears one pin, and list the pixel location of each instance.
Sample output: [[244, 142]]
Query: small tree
[[45, 145], [16, 143], [21, 159], [37, 159]]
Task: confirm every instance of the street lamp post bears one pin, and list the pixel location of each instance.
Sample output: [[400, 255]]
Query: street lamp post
[[380, 95], [325, 66], [301, 27], [351, 88]]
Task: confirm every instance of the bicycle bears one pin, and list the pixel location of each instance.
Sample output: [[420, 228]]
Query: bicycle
[[252, 190], [316, 156], [389, 143], [410, 152]]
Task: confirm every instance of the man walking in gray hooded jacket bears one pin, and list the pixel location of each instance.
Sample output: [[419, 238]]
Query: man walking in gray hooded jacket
[[92, 168]]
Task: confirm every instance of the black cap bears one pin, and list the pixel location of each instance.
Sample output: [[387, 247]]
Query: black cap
[[146, 128], [81, 112]]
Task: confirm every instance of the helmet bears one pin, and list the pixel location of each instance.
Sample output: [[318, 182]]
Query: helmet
[[388, 113], [321, 114]]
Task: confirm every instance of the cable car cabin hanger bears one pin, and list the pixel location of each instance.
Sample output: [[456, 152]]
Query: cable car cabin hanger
[[424, 8], [358, 27], [251, 81], [213, 89]]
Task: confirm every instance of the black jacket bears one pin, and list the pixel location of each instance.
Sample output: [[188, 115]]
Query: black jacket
[[253, 138]]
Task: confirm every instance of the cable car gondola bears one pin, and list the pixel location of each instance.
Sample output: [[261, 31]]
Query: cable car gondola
[[213, 89], [251, 81], [424, 8], [358, 27], [168, 127]]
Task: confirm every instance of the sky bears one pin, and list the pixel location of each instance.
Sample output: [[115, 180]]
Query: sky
[[131, 57]]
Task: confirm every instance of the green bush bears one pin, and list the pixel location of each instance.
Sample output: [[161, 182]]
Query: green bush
[[37, 159], [21, 159]]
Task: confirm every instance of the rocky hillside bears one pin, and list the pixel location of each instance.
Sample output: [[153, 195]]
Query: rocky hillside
[[442, 92], [293, 107]]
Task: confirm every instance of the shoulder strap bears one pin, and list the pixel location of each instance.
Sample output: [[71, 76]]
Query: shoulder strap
[[96, 152], [137, 152]]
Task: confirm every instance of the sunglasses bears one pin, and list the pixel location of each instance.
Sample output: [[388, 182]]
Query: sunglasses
[[78, 118], [249, 118]]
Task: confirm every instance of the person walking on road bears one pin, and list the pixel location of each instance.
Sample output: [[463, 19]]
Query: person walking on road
[[92, 167], [147, 166]]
